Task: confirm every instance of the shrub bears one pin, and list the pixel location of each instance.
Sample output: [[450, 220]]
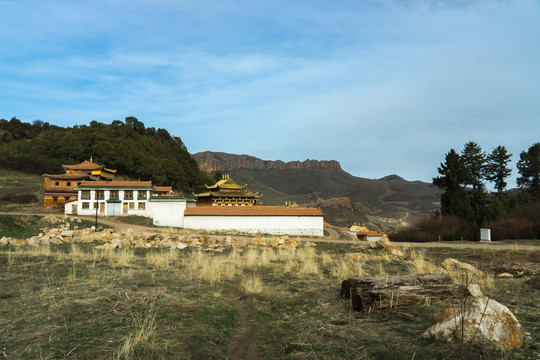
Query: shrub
[[432, 229]]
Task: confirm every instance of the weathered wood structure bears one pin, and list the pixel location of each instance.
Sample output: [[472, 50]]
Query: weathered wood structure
[[381, 292]]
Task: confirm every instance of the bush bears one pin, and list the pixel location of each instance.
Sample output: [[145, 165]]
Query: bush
[[432, 229]]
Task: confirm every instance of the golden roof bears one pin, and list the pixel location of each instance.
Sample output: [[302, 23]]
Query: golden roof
[[228, 188]]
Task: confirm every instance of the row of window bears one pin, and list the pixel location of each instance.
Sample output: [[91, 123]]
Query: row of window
[[113, 194], [57, 183], [131, 205]]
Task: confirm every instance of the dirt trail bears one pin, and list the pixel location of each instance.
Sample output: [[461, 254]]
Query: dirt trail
[[333, 237], [243, 343]]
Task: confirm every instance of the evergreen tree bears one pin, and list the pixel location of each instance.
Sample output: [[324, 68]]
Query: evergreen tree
[[497, 167], [453, 179], [474, 160], [529, 169]]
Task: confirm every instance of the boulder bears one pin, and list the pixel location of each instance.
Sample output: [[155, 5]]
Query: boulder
[[484, 321], [394, 251], [67, 233], [379, 244], [456, 266]]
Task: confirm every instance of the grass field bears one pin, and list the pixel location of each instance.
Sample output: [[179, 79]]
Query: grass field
[[15, 184], [76, 302]]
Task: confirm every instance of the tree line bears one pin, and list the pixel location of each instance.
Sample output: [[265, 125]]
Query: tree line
[[128, 146], [463, 178], [467, 205]]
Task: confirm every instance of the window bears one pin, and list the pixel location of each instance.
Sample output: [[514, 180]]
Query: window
[[113, 194], [57, 183], [95, 205], [141, 195], [100, 194], [128, 194], [142, 206], [86, 205], [132, 205], [69, 183], [78, 183], [85, 194]]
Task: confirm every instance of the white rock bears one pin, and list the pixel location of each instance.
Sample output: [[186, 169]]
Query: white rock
[[474, 290], [67, 233], [484, 321], [181, 245]]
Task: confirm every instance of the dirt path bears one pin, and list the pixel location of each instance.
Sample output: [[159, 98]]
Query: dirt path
[[333, 237], [242, 344]]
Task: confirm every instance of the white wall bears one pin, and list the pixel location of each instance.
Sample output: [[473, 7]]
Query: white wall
[[279, 225], [167, 212]]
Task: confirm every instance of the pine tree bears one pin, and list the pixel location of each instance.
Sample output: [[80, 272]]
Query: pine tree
[[453, 179], [529, 169], [497, 167]]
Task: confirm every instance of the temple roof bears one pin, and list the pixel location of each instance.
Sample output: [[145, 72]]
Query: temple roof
[[226, 183], [102, 184], [85, 165], [59, 190], [72, 176], [229, 194], [251, 211], [163, 188], [226, 187]]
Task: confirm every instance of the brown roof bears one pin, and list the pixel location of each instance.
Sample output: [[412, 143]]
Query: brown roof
[[75, 176], [104, 183], [251, 211], [85, 165], [163, 188], [60, 189]]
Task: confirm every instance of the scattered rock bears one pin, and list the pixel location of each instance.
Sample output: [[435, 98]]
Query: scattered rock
[[505, 275]]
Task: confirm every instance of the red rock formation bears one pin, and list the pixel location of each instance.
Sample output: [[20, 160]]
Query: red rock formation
[[216, 161]]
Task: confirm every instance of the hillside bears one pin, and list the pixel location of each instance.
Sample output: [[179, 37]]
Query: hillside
[[344, 198], [134, 150]]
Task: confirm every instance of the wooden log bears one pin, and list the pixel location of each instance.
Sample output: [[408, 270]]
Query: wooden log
[[402, 290]]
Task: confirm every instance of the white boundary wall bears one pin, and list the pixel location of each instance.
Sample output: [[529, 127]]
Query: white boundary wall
[[271, 224], [168, 212]]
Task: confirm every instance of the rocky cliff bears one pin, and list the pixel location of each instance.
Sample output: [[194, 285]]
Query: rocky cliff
[[217, 161]]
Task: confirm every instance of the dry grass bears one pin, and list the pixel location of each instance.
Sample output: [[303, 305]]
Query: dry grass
[[142, 339], [281, 303], [252, 284], [162, 259]]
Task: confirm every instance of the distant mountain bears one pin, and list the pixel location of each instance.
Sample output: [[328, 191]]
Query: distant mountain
[[345, 199], [218, 161]]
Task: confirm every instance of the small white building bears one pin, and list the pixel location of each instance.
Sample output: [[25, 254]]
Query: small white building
[[111, 198]]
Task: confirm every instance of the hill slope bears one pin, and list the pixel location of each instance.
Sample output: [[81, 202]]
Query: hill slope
[[131, 148], [343, 197]]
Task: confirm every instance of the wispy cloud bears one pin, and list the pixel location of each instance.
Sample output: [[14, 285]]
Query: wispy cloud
[[405, 79]]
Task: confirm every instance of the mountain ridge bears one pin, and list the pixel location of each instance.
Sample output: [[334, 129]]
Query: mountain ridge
[[344, 198], [210, 161]]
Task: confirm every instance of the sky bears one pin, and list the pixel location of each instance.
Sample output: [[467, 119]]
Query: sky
[[383, 87]]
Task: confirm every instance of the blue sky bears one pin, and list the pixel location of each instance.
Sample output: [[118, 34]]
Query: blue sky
[[382, 86]]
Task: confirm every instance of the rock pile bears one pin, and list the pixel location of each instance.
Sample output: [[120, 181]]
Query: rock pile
[[64, 233]]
